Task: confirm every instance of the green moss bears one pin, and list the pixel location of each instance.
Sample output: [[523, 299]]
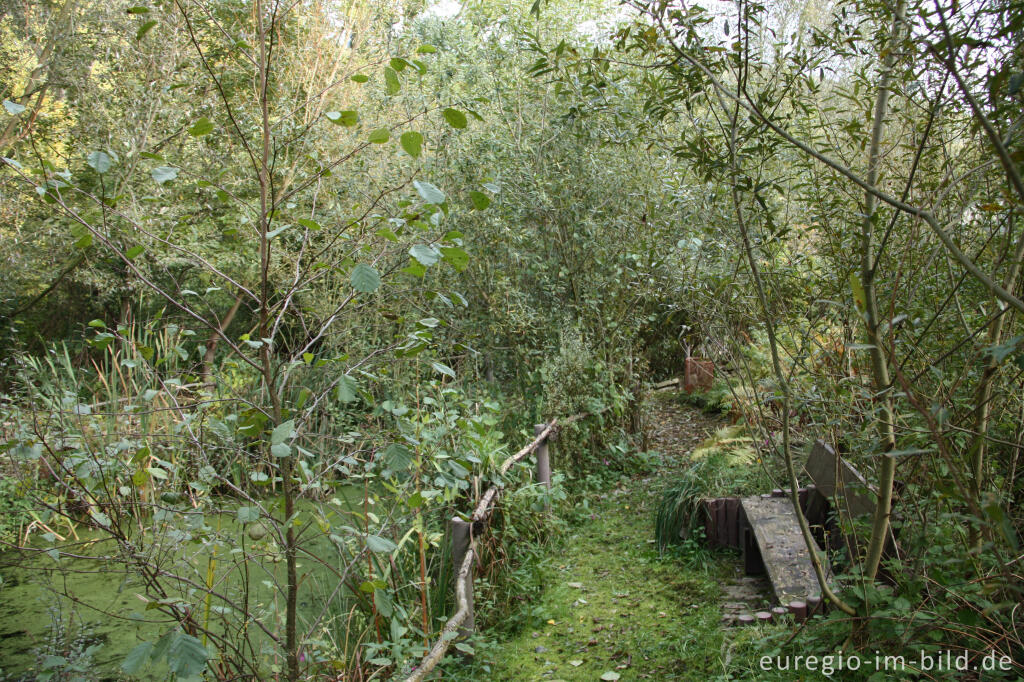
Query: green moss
[[613, 602]]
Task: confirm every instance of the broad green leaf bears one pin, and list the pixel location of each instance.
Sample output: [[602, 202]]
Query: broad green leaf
[[443, 369], [137, 658], [391, 83], [455, 118], [425, 254], [100, 518], [456, 257], [282, 432], [273, 233], [365, 278], [426, 48], [203, 126], [163, 174], [398, 64], [343, 118], [380, 545], [99, 162], [412, 143], [138, 9], [281, 450], [311, 224], [360, 78], [347, 388], [187, 656], [380, 136], [133, 252], [414, 269], [144, 29], [480, 200], [248, 514], [385, 606], [397, 457], [429, 192], [1000, 352], [13, 108]]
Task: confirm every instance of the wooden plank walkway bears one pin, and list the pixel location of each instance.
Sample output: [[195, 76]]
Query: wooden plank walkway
[[773, 539]]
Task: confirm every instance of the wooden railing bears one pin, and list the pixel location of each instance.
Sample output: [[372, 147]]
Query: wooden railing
[[464, 544]]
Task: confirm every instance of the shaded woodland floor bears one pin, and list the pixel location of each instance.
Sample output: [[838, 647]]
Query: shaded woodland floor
[[615, 609]]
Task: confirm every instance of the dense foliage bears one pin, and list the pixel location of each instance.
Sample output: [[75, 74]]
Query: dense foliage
[[284, 282]]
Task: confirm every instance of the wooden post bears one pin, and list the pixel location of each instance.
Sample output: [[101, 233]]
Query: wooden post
[[543, 459], [460, 545]]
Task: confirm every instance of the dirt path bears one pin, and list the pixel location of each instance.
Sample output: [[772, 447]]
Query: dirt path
[[613, 608]]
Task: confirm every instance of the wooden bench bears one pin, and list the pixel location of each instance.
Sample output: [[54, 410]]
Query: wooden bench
[[766, 529], [773, 544]]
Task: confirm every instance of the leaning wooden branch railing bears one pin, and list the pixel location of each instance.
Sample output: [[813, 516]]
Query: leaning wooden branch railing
[[464, 545]]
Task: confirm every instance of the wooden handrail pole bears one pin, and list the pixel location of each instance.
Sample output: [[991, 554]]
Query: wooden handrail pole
[[461, 539], [543, 459]]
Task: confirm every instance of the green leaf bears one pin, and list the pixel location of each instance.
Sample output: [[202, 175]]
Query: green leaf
[[13, 108], [164, 174], [248, 514], [412, 143], [456, 257], [311, 224], [132, 253], [347, 388], [455, 118], [397, 457], [365, 278], [144, 29], [398, 64], [138, 9], [187, 656], [385, 606], [426, 48], [610, 676], [282, 432], [859, 297], [203, 126], [343, 118], [480, 200], [380, 136], [100, 518], [380, 545], [360, 78], [443, 369], [425, 254], [273, 233], [99, 162], [391, 82], [414, 269], [429, 192], [137, 658], [281, 450], [1000, 352]]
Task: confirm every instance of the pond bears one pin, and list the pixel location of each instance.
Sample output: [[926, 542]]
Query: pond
[[88, 611]]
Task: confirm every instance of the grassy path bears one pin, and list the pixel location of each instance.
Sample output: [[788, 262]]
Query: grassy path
[[612, 607]]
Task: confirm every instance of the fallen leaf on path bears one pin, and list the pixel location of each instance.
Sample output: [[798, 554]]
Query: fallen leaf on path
[[576, 663]]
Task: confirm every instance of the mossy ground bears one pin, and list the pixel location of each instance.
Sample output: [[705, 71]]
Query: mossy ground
[[612, 605]]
